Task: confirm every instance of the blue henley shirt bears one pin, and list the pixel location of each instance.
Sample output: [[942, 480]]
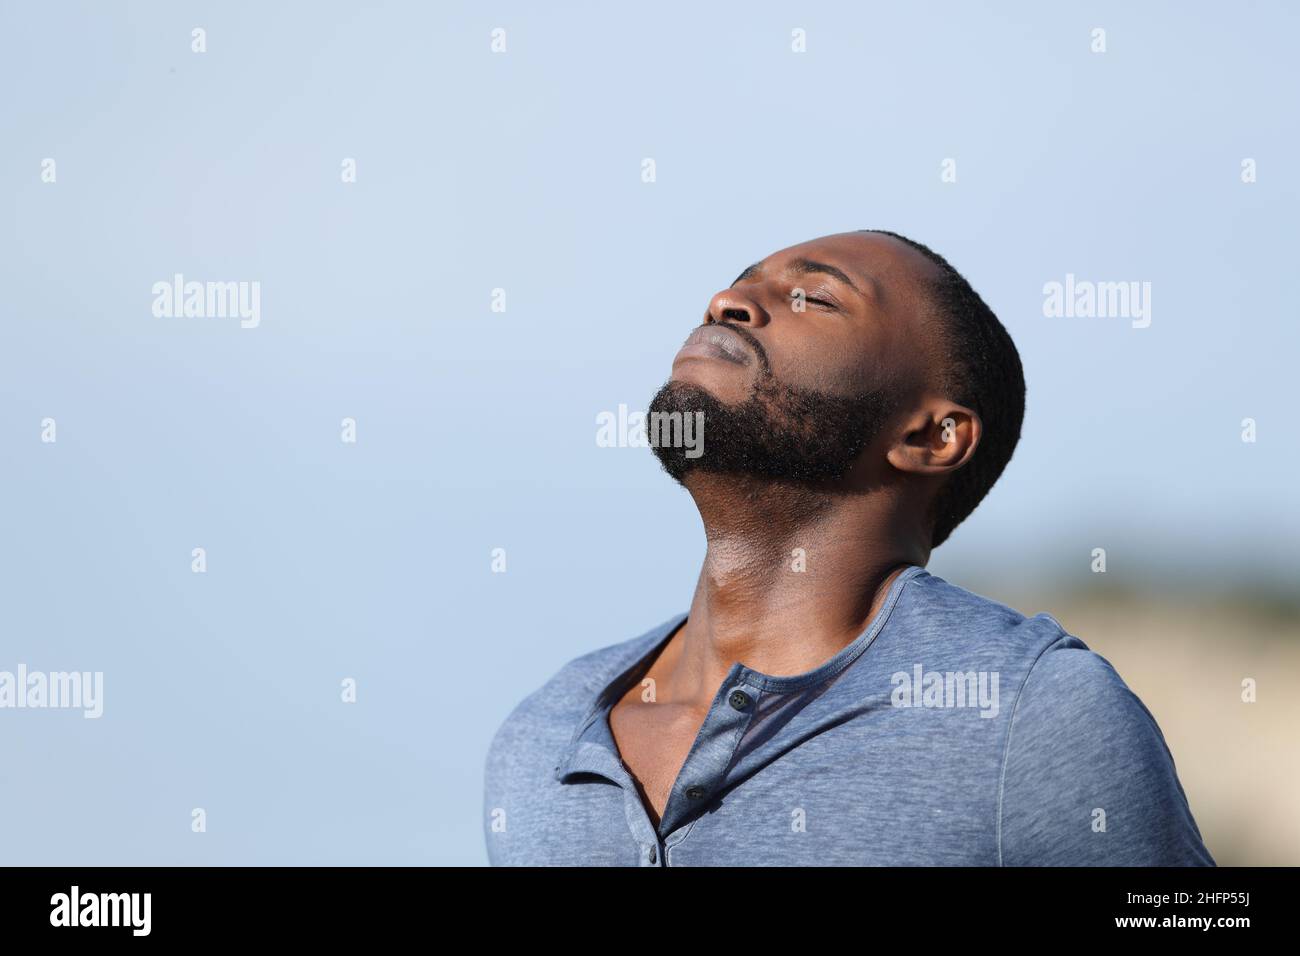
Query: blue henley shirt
[[953, 731]]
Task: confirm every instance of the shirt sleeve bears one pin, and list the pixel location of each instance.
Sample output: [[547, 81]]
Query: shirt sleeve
[[1087, 777]]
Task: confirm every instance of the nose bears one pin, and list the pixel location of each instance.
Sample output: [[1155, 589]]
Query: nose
[[733, 305]]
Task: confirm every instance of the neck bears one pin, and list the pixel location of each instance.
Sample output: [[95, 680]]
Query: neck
[[791, 576]]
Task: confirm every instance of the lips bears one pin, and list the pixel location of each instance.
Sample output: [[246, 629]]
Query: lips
[[716, 341]]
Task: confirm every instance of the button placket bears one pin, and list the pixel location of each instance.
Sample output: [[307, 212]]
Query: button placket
[[730, 719]]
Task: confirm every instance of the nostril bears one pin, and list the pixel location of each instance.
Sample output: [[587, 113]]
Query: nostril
[[739, 315]]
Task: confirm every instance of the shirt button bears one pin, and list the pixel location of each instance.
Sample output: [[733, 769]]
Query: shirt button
[[739, 699], [653, 856], [695, 792]]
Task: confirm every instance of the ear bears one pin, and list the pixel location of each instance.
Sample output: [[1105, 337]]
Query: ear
[[938, 437]]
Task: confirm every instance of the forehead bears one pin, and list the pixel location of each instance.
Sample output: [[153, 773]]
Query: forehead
[[881, 265]]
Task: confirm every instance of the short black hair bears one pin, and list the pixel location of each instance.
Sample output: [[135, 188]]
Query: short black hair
[[981, 371]]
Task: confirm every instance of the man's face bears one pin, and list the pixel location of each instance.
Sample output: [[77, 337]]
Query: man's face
[[800, 363]]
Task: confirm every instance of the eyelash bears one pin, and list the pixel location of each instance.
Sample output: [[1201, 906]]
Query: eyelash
[[825, 302]]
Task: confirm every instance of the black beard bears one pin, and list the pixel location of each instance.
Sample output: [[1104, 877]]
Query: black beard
[[779, 432]]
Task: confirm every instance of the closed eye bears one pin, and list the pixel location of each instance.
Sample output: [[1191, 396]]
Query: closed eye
[[823, 297]]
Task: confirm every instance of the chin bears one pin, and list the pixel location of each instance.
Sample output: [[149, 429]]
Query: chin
[[686, 394], [722, 384]]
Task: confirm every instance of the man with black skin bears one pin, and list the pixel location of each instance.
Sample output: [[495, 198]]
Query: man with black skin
[[859, 400], [821, 463]]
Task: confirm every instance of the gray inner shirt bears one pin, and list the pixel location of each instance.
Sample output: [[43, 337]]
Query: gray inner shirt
[[953, 731]]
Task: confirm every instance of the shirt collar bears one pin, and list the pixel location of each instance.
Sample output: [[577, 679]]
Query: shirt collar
[[589, 747], [632, 660]]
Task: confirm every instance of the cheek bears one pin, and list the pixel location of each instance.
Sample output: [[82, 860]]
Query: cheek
[[835, 365]]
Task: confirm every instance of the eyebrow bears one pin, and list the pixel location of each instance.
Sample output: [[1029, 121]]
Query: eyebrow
[[805, 267]]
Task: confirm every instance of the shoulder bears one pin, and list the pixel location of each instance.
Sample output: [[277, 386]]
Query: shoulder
[[1074, 696], [1087, 776], [932, 608]]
